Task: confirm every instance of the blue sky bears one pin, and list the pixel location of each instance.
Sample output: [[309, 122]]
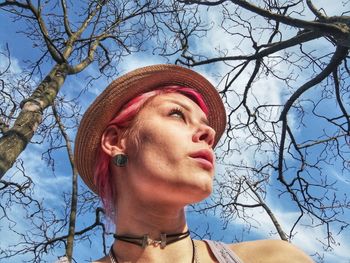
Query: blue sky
[[50, 185]]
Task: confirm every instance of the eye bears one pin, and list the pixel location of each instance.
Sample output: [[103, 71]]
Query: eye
[[178, 113]]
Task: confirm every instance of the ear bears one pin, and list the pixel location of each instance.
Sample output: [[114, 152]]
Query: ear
[[112, 142]]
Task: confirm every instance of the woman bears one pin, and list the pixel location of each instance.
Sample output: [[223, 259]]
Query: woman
[[145, 146]]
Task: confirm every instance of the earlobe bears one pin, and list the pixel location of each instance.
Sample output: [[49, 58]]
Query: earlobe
[[112, 141]]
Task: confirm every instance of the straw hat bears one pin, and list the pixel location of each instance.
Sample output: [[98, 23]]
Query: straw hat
[[120, 91]]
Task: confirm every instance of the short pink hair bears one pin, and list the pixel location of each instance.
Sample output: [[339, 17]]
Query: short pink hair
[[102, 176]]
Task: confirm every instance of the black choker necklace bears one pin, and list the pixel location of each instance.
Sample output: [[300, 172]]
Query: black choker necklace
[[114, 259], [144, 241]]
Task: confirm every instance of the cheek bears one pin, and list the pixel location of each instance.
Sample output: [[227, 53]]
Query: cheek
[[149, 136], [153, 142], [159, 148], [163, 146], [133, 142]]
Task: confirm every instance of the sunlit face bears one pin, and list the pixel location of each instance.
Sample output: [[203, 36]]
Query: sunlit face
[[173, 160]]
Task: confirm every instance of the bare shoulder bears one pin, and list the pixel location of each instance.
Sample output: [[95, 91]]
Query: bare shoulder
[[269, 251]]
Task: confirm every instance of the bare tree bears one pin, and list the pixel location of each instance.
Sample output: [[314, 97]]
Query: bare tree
[[49, 228], [280, 143], [104, 32], [291, 144]]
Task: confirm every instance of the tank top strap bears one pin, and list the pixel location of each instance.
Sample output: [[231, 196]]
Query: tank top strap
[[222, 252]]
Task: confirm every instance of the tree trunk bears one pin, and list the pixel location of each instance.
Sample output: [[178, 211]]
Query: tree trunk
[[74, 200], [15, 140], [72, 215]]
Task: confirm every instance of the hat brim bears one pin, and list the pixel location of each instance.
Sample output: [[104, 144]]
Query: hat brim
[[120, 91]]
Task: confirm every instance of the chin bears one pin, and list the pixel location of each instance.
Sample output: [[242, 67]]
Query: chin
[[201, 193], [197, 200]]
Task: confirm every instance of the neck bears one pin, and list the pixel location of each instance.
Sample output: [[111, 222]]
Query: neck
[[151, 219]]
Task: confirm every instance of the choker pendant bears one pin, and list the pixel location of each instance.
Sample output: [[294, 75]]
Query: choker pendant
[[145, 240]]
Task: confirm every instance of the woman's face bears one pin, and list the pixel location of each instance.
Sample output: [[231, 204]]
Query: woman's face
[[172, 158]]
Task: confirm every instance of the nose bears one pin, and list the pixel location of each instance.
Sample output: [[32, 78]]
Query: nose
[[204, 133]]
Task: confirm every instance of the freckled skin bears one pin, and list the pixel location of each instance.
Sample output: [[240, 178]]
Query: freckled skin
[[161, 158]]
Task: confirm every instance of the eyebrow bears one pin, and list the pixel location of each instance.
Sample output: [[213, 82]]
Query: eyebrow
[[186, 107]]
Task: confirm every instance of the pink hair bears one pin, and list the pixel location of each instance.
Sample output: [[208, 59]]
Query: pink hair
[[102, 176]]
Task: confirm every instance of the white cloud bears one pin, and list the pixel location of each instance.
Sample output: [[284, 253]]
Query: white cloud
[[139, 60], [339, 177], [47, 185], [12, 64]]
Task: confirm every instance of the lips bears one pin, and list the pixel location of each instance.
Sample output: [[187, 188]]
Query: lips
[[204, 157]]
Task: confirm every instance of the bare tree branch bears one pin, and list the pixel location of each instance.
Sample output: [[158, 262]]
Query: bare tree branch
[[338, 56]]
